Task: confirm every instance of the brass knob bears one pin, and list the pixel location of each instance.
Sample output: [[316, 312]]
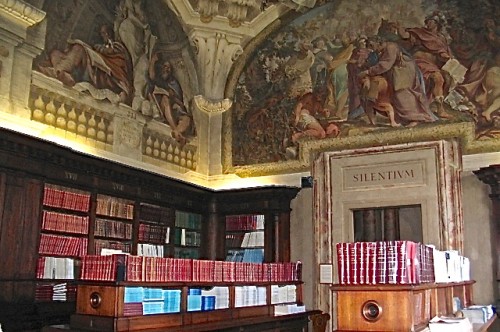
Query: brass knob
[[371, 311], [95, 300]]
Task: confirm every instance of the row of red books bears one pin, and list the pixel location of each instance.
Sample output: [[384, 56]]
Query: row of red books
[[114, 208], [244, 222], [154, 234], [113, 228], [66, 199], [159, 269], [55, 292], [59, 245], [100, 244], [54, 221], [384, 262]]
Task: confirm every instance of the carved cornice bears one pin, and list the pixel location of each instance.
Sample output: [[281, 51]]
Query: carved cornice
[[22, 11], [209, 16], [212, 107], [308, 148], [48, 160]]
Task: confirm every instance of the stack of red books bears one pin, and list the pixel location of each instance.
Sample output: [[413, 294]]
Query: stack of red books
[[384, 262]]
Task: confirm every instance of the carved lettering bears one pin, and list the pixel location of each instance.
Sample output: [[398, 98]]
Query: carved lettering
[[70, 176], [118, 186], [157, 195], [384, 175]]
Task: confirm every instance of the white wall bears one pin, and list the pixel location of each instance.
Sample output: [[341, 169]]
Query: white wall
[[478, 221], [302, 238], [478, 246]]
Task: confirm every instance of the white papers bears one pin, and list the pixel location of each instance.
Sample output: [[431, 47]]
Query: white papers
[[326, 273], [450, 324]]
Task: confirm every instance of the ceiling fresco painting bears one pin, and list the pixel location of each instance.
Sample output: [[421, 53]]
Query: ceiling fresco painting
[[122, 52], [252, 88], [353, 69]]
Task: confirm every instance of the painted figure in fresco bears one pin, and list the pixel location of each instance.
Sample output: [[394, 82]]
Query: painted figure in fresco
[[297, 69], [479, 51], [431, 50], [105, 66], [167, 98], [133, 31], [397, 91], [337, 85], [358, 59], [308, 110], [491, 85], [319, 66]]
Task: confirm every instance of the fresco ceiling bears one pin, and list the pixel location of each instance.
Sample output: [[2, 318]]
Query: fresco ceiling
[[351, 74], [343, 74]]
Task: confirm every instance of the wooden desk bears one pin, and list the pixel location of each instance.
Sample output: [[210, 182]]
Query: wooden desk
[[287, 323], [492, 325], [396, 307]]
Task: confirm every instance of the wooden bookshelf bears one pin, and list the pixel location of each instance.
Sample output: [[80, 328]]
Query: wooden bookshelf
[[154, 231], [101, 307], [187, 234], [245, 238], [409, 307], [29, 165]]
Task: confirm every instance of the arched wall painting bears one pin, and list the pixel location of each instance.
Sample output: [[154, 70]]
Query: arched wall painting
[[127, 52], [355, 73]]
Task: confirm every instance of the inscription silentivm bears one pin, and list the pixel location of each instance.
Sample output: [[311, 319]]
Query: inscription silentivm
[[383, 175]]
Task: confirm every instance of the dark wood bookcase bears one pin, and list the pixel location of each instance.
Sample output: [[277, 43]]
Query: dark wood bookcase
[[154, 203]]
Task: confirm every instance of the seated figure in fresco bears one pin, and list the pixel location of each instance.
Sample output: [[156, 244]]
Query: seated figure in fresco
[[166, 96], [105, 66], [308, 111], [392, 86], [133, 30], [430, 49]]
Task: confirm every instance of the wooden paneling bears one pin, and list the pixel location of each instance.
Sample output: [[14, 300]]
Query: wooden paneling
[[19, 231], [401, 307]]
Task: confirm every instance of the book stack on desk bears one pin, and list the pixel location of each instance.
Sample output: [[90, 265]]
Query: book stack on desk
[[384, 262]]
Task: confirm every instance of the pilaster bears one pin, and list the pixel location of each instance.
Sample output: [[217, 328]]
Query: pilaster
[[22, 38], [215, 53], [208, 117]]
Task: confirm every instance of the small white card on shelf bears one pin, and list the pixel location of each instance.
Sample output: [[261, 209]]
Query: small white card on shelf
[[326, 273]]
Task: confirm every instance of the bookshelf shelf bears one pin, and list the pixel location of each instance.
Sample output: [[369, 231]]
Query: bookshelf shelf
[[245, 238], [63, 235], [90, 189]]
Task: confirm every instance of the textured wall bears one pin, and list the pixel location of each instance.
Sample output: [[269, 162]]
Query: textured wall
[[301, 238], [477, 234]]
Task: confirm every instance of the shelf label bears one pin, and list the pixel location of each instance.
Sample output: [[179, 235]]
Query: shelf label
[[70, 175], [118, 186]]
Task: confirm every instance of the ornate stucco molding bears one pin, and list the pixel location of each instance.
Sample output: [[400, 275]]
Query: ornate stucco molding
[[237, 10], [22, 11], [209, 14], [212, 107], [215, 55], [308, 148]]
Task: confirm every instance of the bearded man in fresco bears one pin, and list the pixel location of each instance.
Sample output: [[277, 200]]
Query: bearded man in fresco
[[105, 66], [431, 50], [398, 93], [166, 94]]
